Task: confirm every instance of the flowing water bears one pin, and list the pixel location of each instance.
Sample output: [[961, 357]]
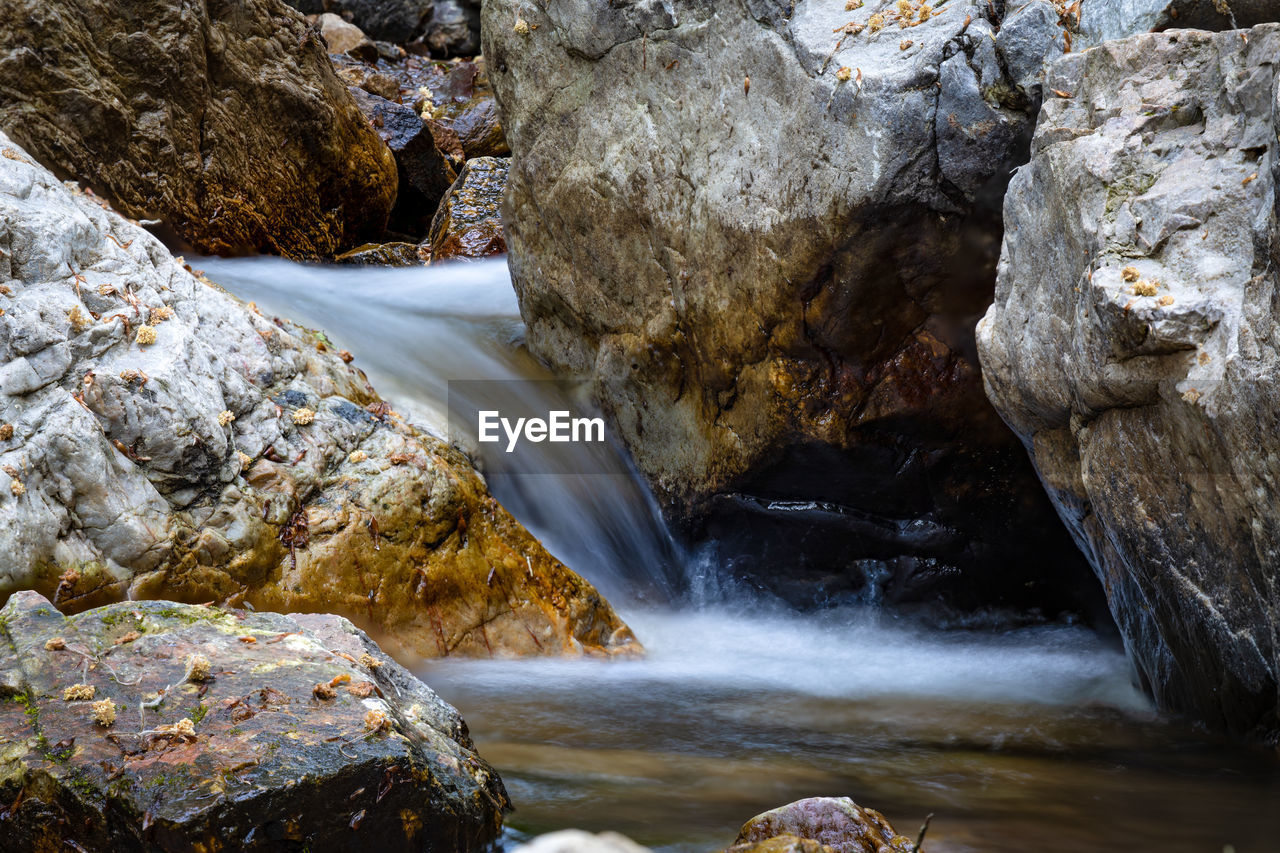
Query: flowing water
[[1030, 739]]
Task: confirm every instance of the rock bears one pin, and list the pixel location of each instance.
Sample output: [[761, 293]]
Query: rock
[[462, 100], [235, 458], [1131, 346], [398, 21], [343, 37], [1031, 37], [425, 174], [251, 755], [384, 255], [1106, 20], [835, 823], [468, 223], [765, 244], [577, 841], [455, 28], [224, 120]]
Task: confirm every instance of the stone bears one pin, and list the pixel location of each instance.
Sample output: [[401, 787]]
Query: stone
[[837, 824], [384, 255], [124, 477], [344, 37], [224, 120], [455, 28], [462, 100], [468, 223], [577, 841], [425, 174], [1131, 346], [768, 270], [1107, 20], [397, 21], [248, 758]]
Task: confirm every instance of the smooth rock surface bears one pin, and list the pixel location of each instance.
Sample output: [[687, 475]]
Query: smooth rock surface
[[1132, 346], [577, 841], [164, 440], [341, 36], [294, 733], [766, 243], [224, 120], [469, 222], [835, 823]]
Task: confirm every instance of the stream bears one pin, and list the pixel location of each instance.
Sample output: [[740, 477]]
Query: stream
[[1016, 740]]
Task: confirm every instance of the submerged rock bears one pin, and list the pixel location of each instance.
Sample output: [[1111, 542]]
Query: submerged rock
[[469, 222], [212, 729], [384, 255], [226, 121], [818, 825], [764, 232], [164, 440], [1132, 346]]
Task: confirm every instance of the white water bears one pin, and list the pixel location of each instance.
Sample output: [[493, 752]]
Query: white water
[[1027, 739]]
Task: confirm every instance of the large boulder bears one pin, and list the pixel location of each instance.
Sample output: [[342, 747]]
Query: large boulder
[[836, 824], [468, 223], [155, 726], [163, 440], [764, 232], [1132, 346], [223, 119]]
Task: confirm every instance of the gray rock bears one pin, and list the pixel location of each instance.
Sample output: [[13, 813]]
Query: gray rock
[[1131, 345], [225, 120], [1105, 20], [765, 241], [455, 28], [161, 439], [1030, 39], [150, 725]]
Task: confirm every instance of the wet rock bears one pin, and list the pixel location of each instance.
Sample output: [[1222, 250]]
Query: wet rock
[[425, 174], [344, 37], [577, 841], [250, 755], [1131, 345], [787, 352], [468, 223], [224, 120], [834, 823], [384, 255], [227, 456], [397, 21], [462, 100]]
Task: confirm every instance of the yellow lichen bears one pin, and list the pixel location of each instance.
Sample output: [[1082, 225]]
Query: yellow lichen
[[852, 5], [225, 417], [1130, 274], [106, 289], [843, 74], [368, 661], [244, 458], [876, 22], [1144, 288], [1191, 395], [17, 488], [904, 44], [55, 644], [6, 432], [198, 668], [355, 457], [925, 13], [906, 11], [79, 693], [377, 721], [104, 713], [323, 692], [159, 315], [79, 320], [303, 416], [1165, 301], [146, 335], [521, 27]]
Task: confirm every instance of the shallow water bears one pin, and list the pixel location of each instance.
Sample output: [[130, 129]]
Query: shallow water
[[1032, 739]]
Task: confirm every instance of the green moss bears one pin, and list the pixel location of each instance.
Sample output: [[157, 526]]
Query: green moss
[[199, 712]]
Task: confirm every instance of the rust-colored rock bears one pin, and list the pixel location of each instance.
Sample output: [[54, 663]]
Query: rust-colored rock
[[225, 120], [818, 825], [248, 759], [469, 222]]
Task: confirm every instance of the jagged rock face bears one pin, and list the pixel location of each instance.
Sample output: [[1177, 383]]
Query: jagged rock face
[[767, 243], [1132, 345], [150, 725], [164, 440], [1103, 20], [223, 119]]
